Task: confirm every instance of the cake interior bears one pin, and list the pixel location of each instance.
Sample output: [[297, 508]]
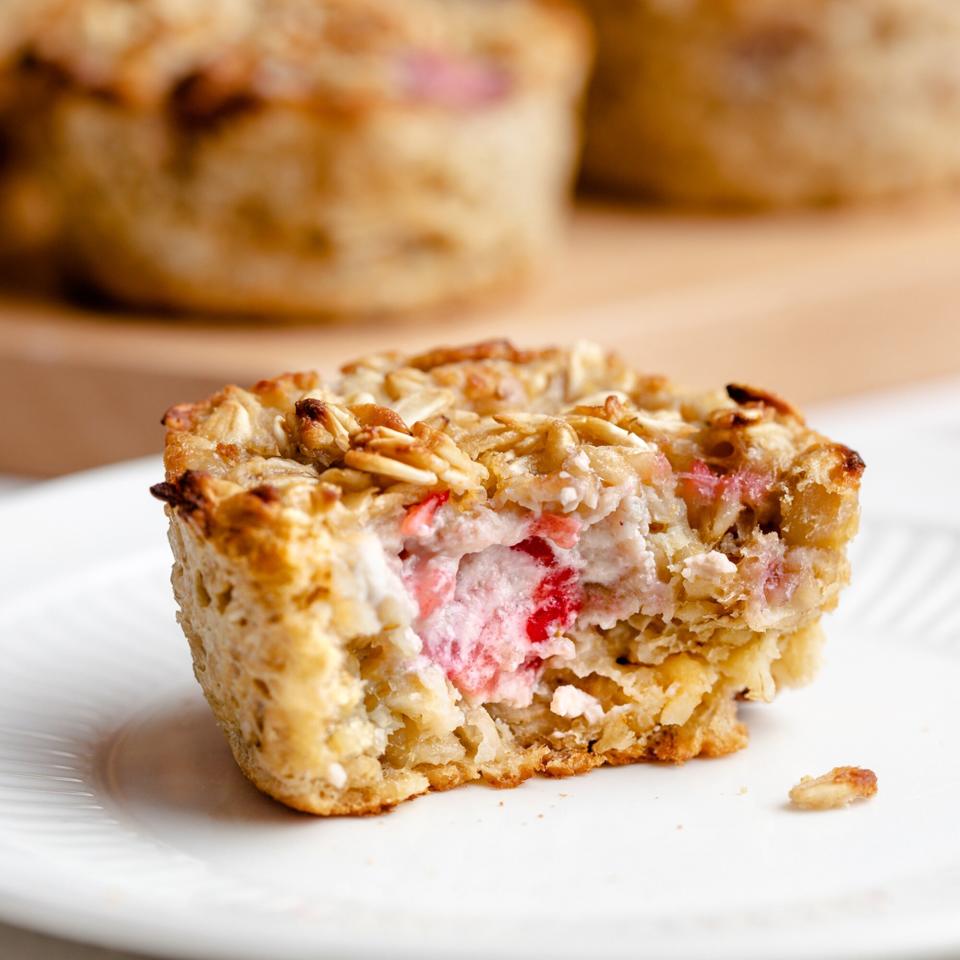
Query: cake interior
[[598, 632]]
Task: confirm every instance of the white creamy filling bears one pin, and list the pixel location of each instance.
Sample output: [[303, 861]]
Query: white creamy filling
[[377, 584], [462, 597], [479, 632], [476, 595], [707, 566], [616, 557], [336, 776], [378, 598], [708, 575], [569, 701]]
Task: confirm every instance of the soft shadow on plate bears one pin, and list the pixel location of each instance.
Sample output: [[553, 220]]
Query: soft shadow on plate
[[174, 758]]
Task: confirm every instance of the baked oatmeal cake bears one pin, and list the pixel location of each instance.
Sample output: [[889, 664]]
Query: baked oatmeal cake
[[484, 563], [762, 102], [324, 157]]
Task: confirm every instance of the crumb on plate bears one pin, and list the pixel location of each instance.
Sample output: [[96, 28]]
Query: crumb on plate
[[839, 787]]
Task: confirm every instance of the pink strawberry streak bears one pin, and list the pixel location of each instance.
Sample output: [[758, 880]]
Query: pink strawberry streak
[[474, 650], [773, 578], [661, 466], [451, 82], [563, 530], [771, 581], [432, 585], [774, 582], [702, 484]]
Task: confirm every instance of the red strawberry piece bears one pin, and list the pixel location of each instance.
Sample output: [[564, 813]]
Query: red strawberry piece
[[539, 549], [558, 600]]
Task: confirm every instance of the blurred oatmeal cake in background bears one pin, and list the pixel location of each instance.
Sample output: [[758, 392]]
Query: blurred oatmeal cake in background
[[27, 213], [323, 157], [763, 103]]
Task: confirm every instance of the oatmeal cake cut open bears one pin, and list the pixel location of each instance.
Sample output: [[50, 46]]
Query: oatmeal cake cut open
[[483, 563]]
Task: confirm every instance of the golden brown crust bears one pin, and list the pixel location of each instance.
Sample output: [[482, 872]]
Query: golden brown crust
[[742, 394], [852, 465], [501, 349], [723, 735], [485, 380]]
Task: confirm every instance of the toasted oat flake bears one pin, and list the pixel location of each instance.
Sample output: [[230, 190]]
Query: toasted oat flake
[[839, 787]]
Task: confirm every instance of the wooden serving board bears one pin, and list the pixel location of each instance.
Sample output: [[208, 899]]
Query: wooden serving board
[[812, 305]]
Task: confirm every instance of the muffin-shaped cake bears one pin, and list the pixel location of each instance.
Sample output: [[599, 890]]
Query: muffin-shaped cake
[[761, 102], [329, 157], [484, 563]]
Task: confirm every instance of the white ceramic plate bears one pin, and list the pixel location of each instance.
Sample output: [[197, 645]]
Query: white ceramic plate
[[123, 820]]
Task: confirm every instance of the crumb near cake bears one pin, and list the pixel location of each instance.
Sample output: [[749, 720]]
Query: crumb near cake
[[838, 788], [483, 563]]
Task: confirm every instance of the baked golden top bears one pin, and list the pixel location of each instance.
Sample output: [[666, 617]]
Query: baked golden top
[[345, 53], [547, 430]]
